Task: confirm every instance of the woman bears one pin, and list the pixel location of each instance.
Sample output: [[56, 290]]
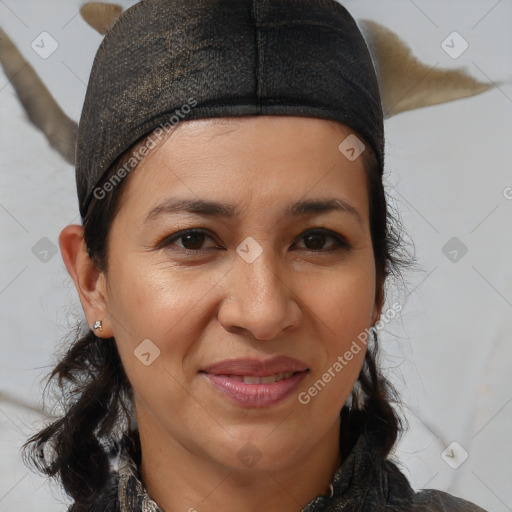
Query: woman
[[231, 263]]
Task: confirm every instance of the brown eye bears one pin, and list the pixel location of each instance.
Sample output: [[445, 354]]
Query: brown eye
[[315, 240], [191, 240]]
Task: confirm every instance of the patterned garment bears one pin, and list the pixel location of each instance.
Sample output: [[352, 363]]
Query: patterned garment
[[360, 484], [132, 494]]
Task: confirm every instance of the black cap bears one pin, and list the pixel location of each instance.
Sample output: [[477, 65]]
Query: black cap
[[164, 61]]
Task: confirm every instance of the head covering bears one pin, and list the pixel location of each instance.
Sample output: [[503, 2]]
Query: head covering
[[169, 60]]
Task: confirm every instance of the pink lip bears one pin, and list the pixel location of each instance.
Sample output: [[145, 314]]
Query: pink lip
[[256, 367], [256, 395]]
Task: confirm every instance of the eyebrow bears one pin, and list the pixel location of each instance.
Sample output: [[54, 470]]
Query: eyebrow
[[216, 209]]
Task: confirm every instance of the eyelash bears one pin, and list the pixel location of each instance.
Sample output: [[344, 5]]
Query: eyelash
[[342, 244]]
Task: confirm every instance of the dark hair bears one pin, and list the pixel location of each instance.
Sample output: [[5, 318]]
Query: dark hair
[[97, 397]]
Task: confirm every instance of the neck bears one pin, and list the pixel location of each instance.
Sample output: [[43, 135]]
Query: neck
[[179, 478]]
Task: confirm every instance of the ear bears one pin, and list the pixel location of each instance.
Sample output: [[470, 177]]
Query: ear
[[40, 106], [89, 281], [100, 16], [407, 84]]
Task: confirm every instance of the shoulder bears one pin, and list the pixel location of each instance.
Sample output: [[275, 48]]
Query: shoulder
[[401, 496]]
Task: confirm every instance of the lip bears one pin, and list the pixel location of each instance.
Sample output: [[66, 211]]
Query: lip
[[256, 367], [256, 395]]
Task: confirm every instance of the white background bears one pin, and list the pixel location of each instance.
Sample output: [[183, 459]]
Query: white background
[[447, 171]]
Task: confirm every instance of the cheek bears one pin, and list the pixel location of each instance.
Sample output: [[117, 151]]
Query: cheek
[[159, 303], [149, 297], [343, 305], [351, 310], [344, 300]]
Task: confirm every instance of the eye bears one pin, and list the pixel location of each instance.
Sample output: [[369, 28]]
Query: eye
[[315, 239], [192, 240]]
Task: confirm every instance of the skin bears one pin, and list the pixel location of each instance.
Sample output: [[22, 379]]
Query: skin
[[296, 299]]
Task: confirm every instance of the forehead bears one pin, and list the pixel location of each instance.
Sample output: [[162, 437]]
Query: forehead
[[274, 158]]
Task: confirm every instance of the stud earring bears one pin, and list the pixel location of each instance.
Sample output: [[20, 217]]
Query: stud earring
[[97, 325]]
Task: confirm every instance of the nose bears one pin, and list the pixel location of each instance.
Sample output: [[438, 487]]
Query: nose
[[258, 300]]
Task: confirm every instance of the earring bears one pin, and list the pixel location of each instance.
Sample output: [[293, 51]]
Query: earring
[[97, 325]]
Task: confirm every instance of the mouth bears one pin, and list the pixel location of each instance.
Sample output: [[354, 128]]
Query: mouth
[[254, 379], [252, 391]]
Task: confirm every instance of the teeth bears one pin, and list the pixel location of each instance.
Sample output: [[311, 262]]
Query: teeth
[[250, 379]]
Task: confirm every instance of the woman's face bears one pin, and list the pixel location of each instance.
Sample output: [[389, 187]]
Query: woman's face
[[257, 283]]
